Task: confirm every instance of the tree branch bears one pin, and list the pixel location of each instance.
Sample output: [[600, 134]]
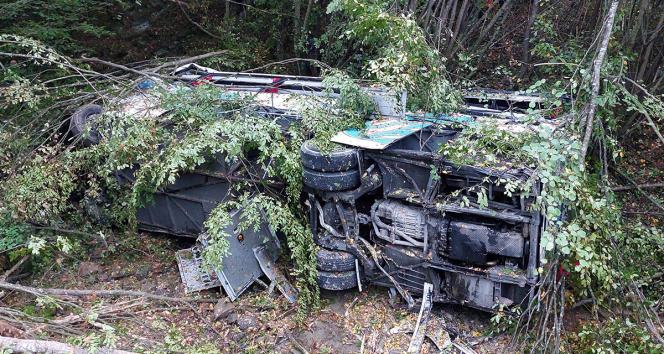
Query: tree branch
[[595, 80], [651, 199], [647, 185], [189, 60], [100, 293], [48, 346], [126, 68], [14, 268]]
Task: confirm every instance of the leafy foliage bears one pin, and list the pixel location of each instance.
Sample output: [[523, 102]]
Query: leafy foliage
[[614, 261], [399, 56], [56, 22]]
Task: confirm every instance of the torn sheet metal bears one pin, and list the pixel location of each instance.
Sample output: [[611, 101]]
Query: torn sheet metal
[[272, 271], [379, 134], [240, 268]]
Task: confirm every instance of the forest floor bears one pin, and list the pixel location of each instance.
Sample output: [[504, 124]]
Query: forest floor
[[259, 321]]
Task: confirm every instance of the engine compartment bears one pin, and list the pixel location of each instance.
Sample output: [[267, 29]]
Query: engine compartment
[[415, 219]]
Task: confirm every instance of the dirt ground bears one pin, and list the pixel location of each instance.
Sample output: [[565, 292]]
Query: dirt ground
[[258, 322]]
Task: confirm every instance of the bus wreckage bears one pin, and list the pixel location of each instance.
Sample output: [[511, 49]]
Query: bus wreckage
[[382, 205]]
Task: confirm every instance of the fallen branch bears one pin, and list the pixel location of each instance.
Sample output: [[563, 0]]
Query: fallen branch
[[189, 60], [126, 68], [48, 346], [582, 303], [100, 293], [14, 268], [101, 313], [650, 198], [643, 186], [99, 236], [110, 293], [297, 344]]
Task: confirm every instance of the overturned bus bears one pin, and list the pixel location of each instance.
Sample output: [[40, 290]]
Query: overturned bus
[[385, 207]]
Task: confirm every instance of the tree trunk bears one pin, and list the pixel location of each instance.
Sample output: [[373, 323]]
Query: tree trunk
[[426, 15], [637, 25], [297, 32], [526, 38], [48, 346], [442, 19], [305, 21], [597, 64], [457, 27], [493, 21], [645, 59], [412, 6]]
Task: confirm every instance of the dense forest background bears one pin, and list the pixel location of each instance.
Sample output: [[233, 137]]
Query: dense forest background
[[605, 58]]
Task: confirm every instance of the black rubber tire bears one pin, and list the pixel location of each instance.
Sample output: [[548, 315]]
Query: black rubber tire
[[334, 261], [331, 181], [78, 121], [339, 160], [337, 280]]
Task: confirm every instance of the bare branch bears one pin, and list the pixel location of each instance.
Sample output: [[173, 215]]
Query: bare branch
[[648, 196], [14, 268], [100, 293], [48, 346], [643, 186]]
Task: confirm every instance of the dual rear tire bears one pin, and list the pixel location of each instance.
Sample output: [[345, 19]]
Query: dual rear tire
[[336, 269], [331, 172], [334, 171]]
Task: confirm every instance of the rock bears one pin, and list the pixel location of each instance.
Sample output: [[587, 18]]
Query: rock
[[88, 268], [247, 322], [232, 318], [141, 26], [222, 309], [238, 336]]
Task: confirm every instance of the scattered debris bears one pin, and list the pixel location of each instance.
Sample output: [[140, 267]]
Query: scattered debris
[[251, 253]]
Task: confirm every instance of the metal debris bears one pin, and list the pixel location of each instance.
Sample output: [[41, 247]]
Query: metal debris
[[251, 253], [194, 279], [422, 320], [270, 269]]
